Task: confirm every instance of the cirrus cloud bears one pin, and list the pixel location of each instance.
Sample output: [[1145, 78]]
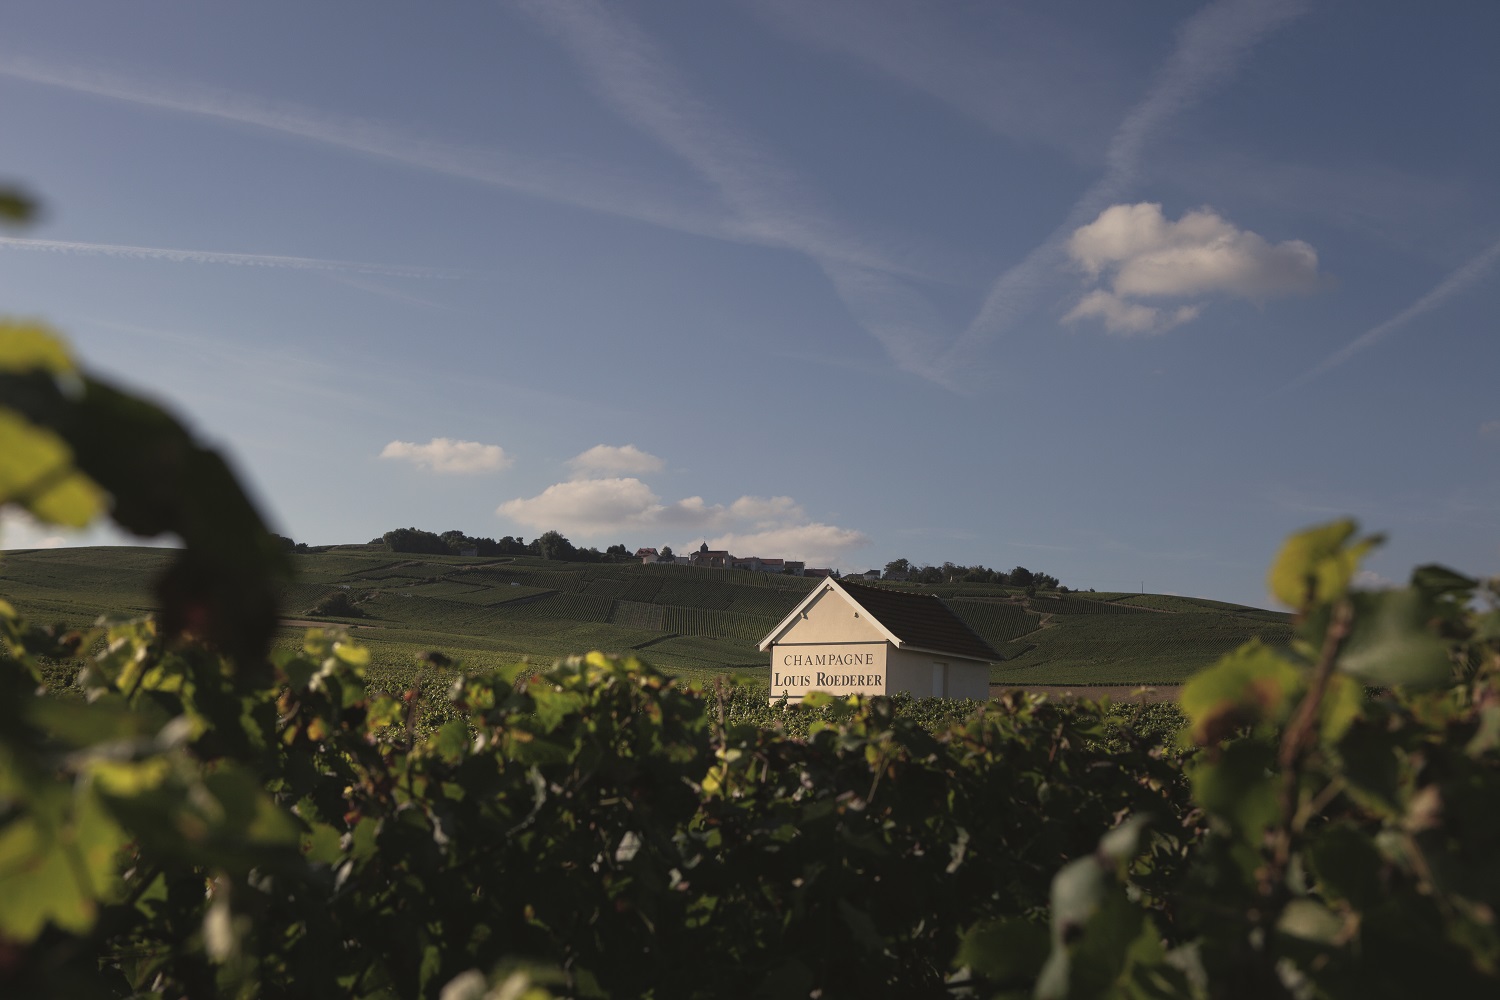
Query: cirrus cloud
[[448, 456], [1143, 255]]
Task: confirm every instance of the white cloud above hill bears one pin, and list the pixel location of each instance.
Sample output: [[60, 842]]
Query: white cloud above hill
[[816, 544], [624, 460], [450, 457], [1141, 254], [607, 507]]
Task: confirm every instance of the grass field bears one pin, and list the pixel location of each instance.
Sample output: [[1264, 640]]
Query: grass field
[[689, 621]]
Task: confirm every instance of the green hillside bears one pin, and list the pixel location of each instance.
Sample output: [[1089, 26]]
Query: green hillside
[[686, 620]]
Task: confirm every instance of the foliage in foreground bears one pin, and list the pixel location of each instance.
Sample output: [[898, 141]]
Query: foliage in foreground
[[291, 837], [210, 820]]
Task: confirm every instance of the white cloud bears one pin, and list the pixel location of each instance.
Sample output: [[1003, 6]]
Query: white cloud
[[817, 544], [19, 530], [612, 504], [616, 461], [1210, 47], [1200, 253], [1142, 254], [609, 507], [767, 511], [587, 506], [1121, 316], [446, 455]]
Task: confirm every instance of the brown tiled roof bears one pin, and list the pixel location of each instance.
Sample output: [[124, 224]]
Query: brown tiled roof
[[921, 620]]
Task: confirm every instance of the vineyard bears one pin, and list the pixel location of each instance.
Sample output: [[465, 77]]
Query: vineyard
[[693, 621], [202, 803]]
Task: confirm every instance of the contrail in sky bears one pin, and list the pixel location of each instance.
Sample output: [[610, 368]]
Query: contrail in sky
[[1210, 47], [562, 181], [212, 257], [633, 75], [1456, 282]]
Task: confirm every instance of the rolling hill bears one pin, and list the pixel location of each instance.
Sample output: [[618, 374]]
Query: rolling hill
[[685, 620]]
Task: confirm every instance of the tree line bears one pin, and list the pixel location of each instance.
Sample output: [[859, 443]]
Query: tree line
[[953, 573], [548, 545]]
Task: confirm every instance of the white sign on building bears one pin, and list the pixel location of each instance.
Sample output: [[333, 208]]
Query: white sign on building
[[845, 638]]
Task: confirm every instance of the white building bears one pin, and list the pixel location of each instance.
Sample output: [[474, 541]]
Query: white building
[[845, 638]]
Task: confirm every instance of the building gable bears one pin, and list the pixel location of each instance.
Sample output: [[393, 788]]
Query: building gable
[[837, 612], [830, 617]]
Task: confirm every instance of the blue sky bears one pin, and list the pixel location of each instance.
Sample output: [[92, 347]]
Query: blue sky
[[1122, 292]]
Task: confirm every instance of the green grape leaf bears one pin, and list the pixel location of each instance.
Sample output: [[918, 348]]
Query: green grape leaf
[[1390, 642], [16, 206], [1005, 950], [1347, 866], [1247, 687], [1311, 921], [1240, 785], [37, 473], [1315, 566], [1099, 937], [1343, 702], [224, 584], [28, 347], [57, 863]]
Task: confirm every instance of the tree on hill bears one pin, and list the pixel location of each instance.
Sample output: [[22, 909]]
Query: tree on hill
[[666, 554], [415, 540], [553, 545], [898, 566], [336, 605], [288, 545], [1022, 577]]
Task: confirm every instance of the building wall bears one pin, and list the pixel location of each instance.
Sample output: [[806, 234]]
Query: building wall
[[835, 647], [913, 673], [830, 618], [843, 668]]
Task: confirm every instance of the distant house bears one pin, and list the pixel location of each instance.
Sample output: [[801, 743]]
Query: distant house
[[872, 574], [846, 638], [722, 559], [755, 564], [810, 571]]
